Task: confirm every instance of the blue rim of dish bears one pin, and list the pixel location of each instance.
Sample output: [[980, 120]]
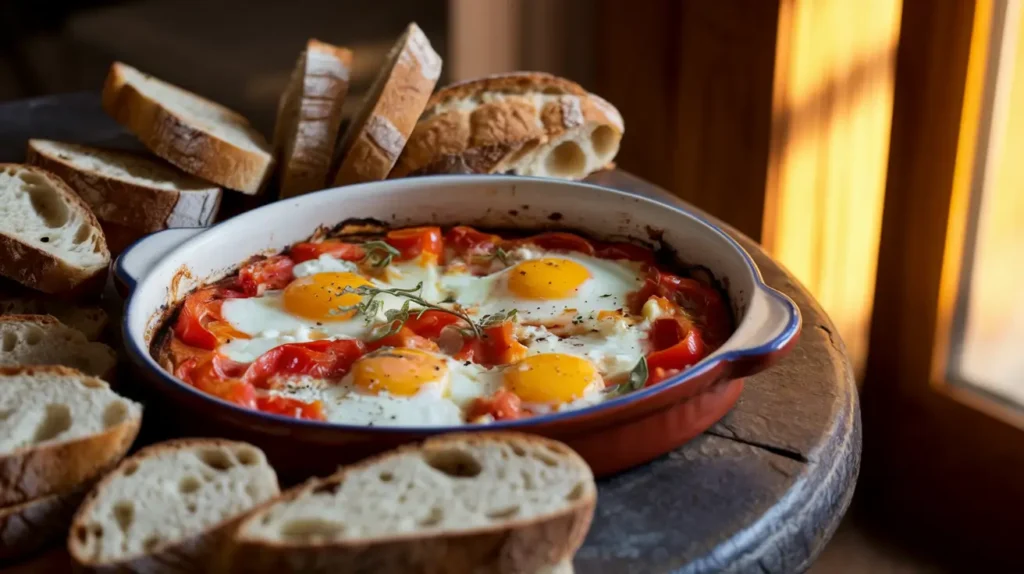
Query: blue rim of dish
[[143, 359]]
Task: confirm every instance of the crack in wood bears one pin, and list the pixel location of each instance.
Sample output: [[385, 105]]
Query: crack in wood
[[783, 452]]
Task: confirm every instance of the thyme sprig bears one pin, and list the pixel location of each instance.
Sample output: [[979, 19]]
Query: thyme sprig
[[637, 379], [394, 319], [379, 254]]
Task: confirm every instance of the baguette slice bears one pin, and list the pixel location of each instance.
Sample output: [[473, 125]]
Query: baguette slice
[[49, 238], [43, 340], [500, 502], [309, 116], [129, 189], [375, 138], [61, 429], [31, 526], [198, 136], [169, 507], [120, 237], [528, 123], [90, 320]]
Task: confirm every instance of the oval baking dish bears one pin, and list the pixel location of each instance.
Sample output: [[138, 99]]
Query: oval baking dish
[[163, 268]]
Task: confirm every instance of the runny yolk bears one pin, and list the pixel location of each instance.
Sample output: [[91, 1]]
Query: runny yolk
[[550, 378], [319, 296], [401, 372], [547, 278]]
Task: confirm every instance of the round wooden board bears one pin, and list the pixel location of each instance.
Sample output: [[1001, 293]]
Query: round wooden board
[[762, 491]]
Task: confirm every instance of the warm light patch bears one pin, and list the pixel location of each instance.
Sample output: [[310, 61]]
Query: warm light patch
[[550, 378], [400, 372], [547, 278], [316, 296]]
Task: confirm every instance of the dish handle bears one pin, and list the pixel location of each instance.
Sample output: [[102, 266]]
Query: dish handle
[[135, 262], [769, 331]]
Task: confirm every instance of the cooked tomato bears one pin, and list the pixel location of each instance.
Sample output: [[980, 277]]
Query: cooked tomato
[[468, 241], [338, 249], [504, 405], [200, 309], [289, 407], [667, 332], [499, 346], [405, 338], [411, 242], [430, 323], [318, 359], [667, 362], [217, 376], [559, 241], [270, 273], [703, 303], [624, 250]]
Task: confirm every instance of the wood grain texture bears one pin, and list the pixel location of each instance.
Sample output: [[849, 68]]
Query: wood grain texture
[[761, 492]]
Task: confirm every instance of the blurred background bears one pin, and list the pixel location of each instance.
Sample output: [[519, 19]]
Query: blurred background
[[873, 146]]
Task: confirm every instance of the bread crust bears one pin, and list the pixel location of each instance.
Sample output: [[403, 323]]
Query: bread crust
[[516, 547], [30, 526], [189, 147], [31, 473], [373, 143], [309, 117], [498, 118], [43, 271], [194, 554], [145, 209]]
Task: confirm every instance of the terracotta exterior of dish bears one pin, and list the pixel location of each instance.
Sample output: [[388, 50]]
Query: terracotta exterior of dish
[[611, 436]]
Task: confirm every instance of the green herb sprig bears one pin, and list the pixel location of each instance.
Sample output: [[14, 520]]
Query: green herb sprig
[[370, 306], [637, 379], [379, 254]]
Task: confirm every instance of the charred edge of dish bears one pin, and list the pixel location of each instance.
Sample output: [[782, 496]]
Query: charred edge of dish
[[555, 216], [358, 227]]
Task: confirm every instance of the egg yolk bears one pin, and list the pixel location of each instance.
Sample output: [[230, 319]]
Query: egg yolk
[[400, 372], [319, 296], [547, 278], [550, 378]]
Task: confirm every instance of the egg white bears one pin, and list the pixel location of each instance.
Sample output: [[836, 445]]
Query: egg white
[[606, 289]]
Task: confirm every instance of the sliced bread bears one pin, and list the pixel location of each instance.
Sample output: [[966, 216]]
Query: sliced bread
[[49, 238], [375, 138], [496, 502], [31, 526], [43, 340], [309, 116], [129, 189], [198, 136], [59, 429], [90, 320], [528, 123], [169, 507], [120, 237]]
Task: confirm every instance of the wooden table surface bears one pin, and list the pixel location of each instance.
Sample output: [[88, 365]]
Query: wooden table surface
[[762, 491]]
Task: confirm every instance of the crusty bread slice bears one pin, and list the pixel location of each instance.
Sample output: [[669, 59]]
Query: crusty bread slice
[[49, 238], [43, 340], [31, 526], [120, 237], [497, 502], [129, 189], [90, 320], [309, 116], [169, 507], [198, 136], [528, 123], [375, 138], [59, 429]]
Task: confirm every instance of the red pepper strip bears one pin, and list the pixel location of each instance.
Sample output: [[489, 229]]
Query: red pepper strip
[[412, 241], [199, 309], [270, 273], [290, 407], [668, 362], [339, 250], [318, 359]]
